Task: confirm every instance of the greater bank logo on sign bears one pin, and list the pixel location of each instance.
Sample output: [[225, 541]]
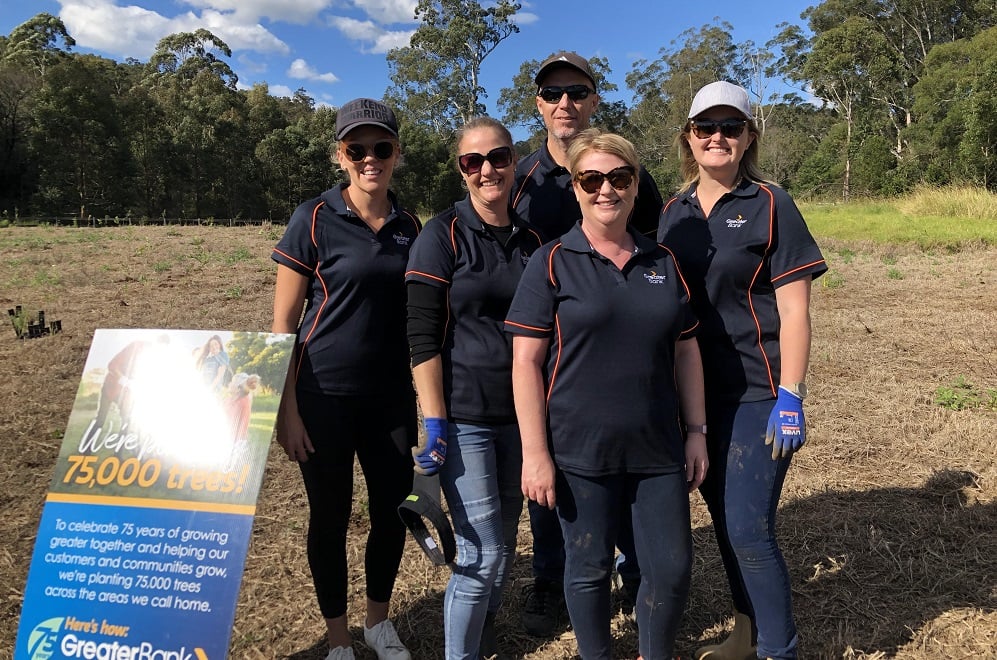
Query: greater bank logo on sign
[[72, 638]]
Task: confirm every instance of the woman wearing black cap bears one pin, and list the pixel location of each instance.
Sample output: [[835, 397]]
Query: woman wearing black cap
[[750, 259], [349, 389]]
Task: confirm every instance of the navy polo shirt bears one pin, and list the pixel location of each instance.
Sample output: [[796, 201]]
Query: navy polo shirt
[[612, 405], [458, 252], [352, 337], [754, 241], [543, 196]]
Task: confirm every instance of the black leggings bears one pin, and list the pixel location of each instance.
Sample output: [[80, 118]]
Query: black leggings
[[380, 433]]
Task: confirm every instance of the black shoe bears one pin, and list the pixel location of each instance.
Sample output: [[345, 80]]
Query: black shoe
[[543, 610]]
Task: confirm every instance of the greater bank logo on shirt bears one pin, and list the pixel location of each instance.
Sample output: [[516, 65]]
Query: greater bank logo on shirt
[[735, 223], [654, 278], [69, 637], [401, 239]]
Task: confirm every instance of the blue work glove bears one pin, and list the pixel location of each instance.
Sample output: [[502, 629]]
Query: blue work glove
[[431, 452], [787, 430]]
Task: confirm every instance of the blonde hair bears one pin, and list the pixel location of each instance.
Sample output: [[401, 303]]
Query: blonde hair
[[592, 139], [748, 168]]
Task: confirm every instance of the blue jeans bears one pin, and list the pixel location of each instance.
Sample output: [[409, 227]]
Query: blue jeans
[[481, 480], [548, 546], [589, 510], [742, 490]]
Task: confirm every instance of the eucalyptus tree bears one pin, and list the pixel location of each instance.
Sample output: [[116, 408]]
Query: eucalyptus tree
[[36, 43], [204, 116], [435, 79], [956, 106], [30, 50], [843, 65], [79, 145]]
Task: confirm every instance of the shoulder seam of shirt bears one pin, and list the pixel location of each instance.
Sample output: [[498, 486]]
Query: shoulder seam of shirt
[[526, 181], [315, 211]]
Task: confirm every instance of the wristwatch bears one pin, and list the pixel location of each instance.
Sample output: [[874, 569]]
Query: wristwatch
[[695, 428], [798, 389]]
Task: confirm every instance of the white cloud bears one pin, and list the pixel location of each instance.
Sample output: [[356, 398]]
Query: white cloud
[[369, 32], [301, 70], [388, 11], [241, 36], [525, 18], [132, 31], [298, 11], [281, 90]]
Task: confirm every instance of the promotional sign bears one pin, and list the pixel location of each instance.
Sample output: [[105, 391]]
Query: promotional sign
[[145, 529]]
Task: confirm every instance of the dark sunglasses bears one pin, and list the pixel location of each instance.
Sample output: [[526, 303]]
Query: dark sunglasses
[[729, 128], [472, 163], [620, 178], [357, 152], [553, 94]]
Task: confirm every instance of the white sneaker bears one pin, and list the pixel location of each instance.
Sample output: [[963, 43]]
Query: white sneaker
[[383, 639], [340, 653]]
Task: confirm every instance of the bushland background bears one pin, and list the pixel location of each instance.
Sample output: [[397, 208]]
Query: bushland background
[[856, 98], [888, 515]]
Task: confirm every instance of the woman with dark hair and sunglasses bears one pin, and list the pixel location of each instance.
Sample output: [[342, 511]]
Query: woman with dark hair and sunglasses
[[349, 390], [604, 367], [462, 274], [750, 260]]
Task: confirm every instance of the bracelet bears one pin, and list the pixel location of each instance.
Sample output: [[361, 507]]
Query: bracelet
[[695, 428]]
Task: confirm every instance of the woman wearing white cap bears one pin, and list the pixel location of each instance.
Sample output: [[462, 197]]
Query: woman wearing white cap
[[749, 259]]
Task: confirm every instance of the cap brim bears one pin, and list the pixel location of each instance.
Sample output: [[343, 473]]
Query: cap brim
[[437, 538], [342, 133]]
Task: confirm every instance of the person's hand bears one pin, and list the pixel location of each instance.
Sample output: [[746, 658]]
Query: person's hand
[[292, 436], [538, 478], [787, 430], [696, 459], [431, 452]]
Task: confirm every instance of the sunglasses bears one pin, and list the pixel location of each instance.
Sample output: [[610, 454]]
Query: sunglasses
[[472, 163], [381, 150], [729, 128], [620, 178], [553, 94]]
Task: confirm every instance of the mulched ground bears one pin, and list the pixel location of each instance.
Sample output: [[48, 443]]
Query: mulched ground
[[887, 521]]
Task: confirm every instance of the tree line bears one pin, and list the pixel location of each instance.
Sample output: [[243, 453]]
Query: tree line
[[864, 97]]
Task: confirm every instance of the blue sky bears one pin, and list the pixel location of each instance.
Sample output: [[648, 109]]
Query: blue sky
[[334, 49]]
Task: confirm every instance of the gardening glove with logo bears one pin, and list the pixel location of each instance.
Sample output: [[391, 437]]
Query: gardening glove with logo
[[431, 452], [787, 430]]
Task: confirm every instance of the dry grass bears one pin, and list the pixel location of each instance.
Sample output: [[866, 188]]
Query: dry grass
[[888, 518], [950, 202]]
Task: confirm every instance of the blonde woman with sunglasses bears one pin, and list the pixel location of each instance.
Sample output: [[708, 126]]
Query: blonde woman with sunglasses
[[750, 260], [604, 366], [349, 391], [462, 275]]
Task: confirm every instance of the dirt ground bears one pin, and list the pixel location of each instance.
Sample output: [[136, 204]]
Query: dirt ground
[[888, 520]]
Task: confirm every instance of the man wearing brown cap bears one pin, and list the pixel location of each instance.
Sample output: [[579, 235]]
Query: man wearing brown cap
[[566, 99]]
